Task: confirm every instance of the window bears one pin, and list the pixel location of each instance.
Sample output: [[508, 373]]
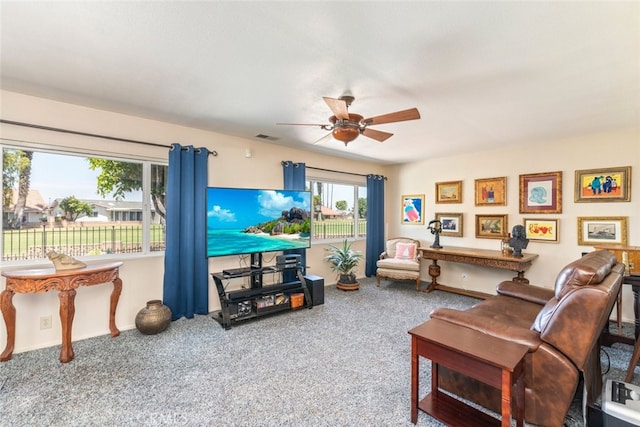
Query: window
[[339, 209], [79, 205]]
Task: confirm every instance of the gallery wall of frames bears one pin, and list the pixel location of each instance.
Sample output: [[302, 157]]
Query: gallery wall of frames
[[540, 198]]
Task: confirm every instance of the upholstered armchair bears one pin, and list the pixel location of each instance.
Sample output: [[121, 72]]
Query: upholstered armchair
[[400, 260]]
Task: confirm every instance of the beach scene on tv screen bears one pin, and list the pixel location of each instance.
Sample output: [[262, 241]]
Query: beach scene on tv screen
[[242, 221]]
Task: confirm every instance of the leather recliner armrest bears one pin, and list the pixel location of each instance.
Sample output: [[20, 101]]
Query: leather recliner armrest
[[535, 294], [489, 326]]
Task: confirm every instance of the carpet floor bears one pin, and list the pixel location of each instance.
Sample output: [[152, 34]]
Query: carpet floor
[[343, 363]]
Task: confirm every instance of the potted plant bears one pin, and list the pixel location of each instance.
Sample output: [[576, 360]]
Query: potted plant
[[344, 260]]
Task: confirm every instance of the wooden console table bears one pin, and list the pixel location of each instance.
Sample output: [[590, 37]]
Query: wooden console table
[[65, 282], [496, 362], [482, 257]]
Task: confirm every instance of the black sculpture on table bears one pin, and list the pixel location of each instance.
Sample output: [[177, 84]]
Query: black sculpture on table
[[518, 240], [435, 226]]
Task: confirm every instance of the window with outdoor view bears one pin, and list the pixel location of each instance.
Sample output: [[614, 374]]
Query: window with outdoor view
[[79, 205], [339, 210]]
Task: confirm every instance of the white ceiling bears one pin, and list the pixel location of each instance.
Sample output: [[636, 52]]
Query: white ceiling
[[483, 74]]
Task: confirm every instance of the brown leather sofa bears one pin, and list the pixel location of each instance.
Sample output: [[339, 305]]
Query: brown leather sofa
[[561, 326]]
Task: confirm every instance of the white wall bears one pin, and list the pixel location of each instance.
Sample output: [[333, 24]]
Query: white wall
[[593, 151], [142, 276]]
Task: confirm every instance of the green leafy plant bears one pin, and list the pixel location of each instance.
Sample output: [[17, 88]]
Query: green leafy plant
[[73, 207], [343, 260]]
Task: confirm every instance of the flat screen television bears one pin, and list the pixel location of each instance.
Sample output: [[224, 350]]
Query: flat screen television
[[248, 221]]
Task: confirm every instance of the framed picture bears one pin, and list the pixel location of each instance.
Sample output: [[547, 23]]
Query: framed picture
[[451, 224], [603, 185], [413, 209], [542, 230], [541, 193], [491, 226], [491, 191], [602, 230], [449, 192]]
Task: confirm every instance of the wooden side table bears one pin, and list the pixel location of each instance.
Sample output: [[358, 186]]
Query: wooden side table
[[65, 282], [496, 362], [634, 281], [630, 257]]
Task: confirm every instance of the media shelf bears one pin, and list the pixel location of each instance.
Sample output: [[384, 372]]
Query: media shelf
[[258, 300]]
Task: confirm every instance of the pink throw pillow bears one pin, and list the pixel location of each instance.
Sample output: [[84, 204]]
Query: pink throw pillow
[[405, 251]]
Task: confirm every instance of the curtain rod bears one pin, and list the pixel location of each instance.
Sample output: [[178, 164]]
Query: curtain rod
[[93, 135], [336, 171]]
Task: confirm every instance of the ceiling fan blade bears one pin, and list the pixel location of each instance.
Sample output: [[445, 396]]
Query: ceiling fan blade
[[338, 107], [377, 134], [398, 116], [322, 126], [325, 138], [301, 124]]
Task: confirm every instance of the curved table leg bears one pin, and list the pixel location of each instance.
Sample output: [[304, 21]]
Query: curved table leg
[[520, 278], [635, 288], [115, 297], [67, 311], [434, 272], [9, 314]]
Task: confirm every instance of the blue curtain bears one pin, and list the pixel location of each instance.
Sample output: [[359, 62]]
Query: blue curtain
[[186, 286], [295, 179], [375, 222]]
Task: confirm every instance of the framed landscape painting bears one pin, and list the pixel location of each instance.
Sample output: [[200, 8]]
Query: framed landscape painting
[[542, 230], [491, 191], [449, 192], [603, 185], [413, 209], [541, 193], [451, 224], [602, 230], [491, 226]]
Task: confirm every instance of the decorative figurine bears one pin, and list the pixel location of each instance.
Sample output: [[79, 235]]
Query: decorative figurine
[[435, 226], [518, 241], [504, 245], [64, 262]]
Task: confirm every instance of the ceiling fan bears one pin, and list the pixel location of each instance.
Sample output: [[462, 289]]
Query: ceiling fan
[[346, 126]]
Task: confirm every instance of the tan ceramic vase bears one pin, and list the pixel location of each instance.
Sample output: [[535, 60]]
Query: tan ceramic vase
[[154, 318]]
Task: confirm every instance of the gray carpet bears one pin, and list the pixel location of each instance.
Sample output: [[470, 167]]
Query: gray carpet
[[344, 363]]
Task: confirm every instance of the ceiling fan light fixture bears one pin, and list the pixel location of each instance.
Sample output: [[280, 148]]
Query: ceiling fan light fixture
[[345, 135], [346, 130]]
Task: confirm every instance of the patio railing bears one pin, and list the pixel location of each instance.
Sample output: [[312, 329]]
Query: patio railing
[[35, 243], [75, 241], [338, 229]]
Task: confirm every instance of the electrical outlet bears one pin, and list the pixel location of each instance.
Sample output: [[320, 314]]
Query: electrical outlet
[[45, 322]]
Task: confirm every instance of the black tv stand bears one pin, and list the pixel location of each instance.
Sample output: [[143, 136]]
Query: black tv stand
[[257, 300]]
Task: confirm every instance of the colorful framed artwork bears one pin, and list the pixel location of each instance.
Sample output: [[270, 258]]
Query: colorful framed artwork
[[451, 224], [449, 192], [603, 185], [541, 193], [491, 191], [413, 209], [541, 230], [602, 230], [491, 226]]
